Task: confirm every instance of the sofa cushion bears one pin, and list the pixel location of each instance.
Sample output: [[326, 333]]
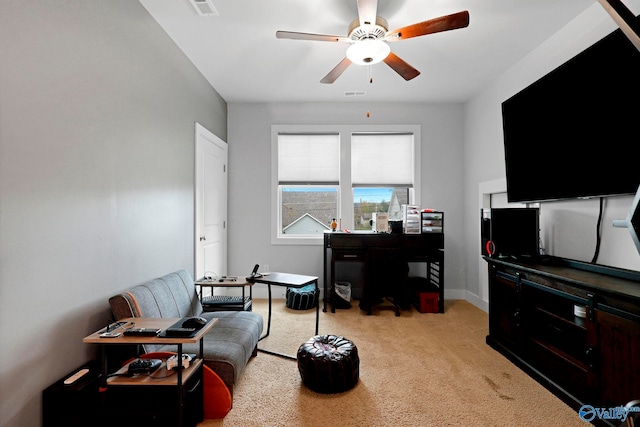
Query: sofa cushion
[[234, 337], [172, 295]]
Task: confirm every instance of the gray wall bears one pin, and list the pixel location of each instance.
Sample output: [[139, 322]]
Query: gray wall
[[97, 113], [567, 227], [250, 177]]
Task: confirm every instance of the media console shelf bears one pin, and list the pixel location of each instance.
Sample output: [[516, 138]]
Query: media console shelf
[[535, 320]]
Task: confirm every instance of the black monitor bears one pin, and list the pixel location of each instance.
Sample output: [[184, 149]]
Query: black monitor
[[515, 233]]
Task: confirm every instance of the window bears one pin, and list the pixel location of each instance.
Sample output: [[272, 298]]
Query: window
[[344, 172], [308, 178], [382, 174]]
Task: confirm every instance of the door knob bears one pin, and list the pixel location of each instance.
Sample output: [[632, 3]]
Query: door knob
[[203, 238]]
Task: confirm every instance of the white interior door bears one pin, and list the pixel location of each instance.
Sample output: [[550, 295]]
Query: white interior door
[[211, 204]]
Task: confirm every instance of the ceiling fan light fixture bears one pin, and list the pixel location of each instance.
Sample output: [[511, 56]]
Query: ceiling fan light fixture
[[368, 51]]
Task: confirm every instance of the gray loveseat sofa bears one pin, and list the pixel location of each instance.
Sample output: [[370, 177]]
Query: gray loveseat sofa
[[227, 347]]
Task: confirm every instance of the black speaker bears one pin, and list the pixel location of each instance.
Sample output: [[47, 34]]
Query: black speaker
[[515, 233], [73, 405], [485, 231]]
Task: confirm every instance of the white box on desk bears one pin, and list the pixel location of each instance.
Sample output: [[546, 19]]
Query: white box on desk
[[380, 222]]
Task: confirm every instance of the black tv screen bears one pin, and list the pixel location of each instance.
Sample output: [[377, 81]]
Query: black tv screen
[[572, 134]]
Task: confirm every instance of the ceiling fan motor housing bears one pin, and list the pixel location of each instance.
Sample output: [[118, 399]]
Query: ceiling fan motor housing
[[360, 32], [368, 45]]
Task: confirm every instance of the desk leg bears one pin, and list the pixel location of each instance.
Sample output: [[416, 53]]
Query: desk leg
[[103, 361], [317, 309], [324, 273], [269, 318], [332, 283], [273, 353], [103, 386], [286, 356], [180, 390]]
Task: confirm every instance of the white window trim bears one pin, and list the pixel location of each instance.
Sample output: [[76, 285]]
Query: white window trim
[[345, 192]]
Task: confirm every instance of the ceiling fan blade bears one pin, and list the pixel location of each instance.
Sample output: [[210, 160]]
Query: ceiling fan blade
[[405, 70], [367, 12], [308, 36], [443, 23], [336, 72]]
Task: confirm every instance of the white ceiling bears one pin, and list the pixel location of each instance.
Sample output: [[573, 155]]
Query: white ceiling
[[238, 53]]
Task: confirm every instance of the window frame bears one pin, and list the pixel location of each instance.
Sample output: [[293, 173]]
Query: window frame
[[345, 188]]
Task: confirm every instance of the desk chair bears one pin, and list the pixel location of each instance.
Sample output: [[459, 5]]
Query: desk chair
[[386, 272]]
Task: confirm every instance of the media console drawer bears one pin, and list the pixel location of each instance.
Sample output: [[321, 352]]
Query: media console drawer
[[349, 255]]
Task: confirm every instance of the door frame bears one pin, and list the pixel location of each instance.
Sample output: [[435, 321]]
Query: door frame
[[204, 136]]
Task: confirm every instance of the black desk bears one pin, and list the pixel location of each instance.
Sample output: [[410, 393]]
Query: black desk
[[290, 281], [352, 247]]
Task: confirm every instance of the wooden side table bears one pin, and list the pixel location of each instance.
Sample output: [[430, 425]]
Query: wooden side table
[[157, 323]]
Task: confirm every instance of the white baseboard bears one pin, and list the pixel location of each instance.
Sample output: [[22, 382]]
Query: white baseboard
[[477, 301]]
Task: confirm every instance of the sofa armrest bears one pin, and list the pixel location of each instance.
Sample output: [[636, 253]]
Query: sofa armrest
[[124, 305]]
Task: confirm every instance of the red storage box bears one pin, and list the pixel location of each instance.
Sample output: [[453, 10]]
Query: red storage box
[[427, 302]]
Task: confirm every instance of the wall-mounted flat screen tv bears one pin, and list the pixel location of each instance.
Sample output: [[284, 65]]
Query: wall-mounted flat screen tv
[[572, 134]]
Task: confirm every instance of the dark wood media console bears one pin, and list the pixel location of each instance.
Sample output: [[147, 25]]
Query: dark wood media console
[[591, 360]]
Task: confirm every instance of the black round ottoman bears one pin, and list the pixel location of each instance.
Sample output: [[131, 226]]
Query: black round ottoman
[[329, 364], [302, 298]]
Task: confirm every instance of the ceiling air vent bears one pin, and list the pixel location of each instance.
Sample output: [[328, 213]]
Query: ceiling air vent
[[204, 7], [355, 93]]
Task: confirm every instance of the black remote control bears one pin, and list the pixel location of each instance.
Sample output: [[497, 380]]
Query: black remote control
[[142, 332]]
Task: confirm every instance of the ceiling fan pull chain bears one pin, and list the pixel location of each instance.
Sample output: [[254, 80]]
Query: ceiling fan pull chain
[[370, 74]]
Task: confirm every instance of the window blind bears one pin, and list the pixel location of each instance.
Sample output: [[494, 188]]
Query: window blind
[[382, 159], [308, 159]]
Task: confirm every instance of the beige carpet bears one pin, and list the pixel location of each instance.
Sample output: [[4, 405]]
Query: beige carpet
[[415, 370]]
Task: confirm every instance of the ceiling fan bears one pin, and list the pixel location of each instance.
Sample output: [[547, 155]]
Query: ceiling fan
[[369, 34]]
